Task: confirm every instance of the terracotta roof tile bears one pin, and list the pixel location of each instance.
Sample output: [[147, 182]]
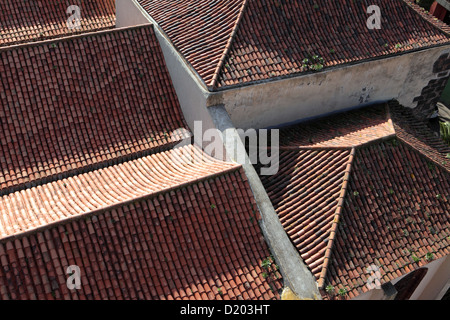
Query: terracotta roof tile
[[234, 42], [416, 134], [306, 194], [348, 200], [127, 254], [345, 130], [34, 20], [390, 218], [57, 113], [199, 29], [49, 203], [274, 38]]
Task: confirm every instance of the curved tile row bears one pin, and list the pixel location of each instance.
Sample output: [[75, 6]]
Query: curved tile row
[[58, 115], [38, 206]]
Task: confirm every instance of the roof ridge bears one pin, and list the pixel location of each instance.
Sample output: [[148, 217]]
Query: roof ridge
[[75, 36], [332, 237], [227, 49], [119, 204]]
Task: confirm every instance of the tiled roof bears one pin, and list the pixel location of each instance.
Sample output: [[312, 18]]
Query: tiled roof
[[201, 241], [35, 20], [349, 129], [80, 103], [199, 29], [235, 42], [376, 172], [97, 190], [416, 134], [91, 176], [306, 194]]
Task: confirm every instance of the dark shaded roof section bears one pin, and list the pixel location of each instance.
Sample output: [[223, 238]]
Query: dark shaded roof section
[[369, 182], [274, 37], [200, 30], [36, 20], [201, 241], [306, 193], [81, 103], [417, 135]]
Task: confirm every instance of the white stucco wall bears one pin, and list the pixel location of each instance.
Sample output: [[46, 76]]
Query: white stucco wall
[[281, 102], [433, 286]]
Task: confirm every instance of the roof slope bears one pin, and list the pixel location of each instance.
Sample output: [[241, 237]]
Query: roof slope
[[36, 20], [97, 170], [397, 211], [200, 30], [39, 206], [306, 194], [362, 171], [58, 115], [200, 241], [233, 42]]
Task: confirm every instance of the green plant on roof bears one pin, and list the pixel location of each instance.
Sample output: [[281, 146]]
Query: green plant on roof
[[219, 290], [429, 256], [213, 206], [415, 258], [447, 156], [438, 196], [342, 292], [398, 46], [265, 275], [53, 45], [332, 50], [391, 191], [330, 290], [266, 263], [313, 63], [356, 193]]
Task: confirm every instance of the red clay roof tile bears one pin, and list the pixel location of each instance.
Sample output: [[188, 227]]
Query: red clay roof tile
[[345, 199], [33, 20], [140, 222], [234, 42], [59, 117], [96, 190]]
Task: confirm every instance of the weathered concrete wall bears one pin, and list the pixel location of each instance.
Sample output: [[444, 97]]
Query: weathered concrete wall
[[437, 277], [128, 14], [281, 102], [431, 94]]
